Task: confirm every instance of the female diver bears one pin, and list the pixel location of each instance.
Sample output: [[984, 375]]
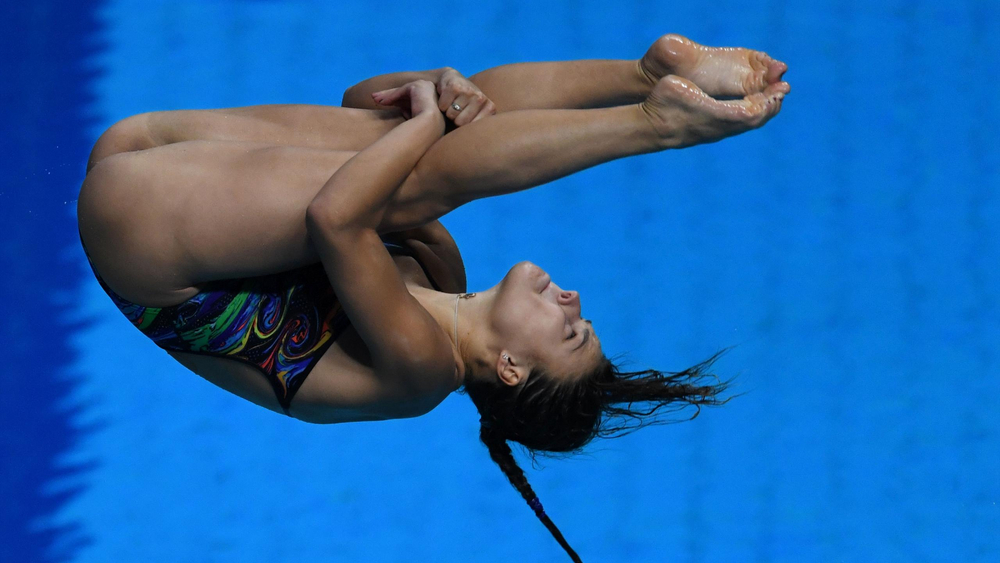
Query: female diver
[[296, 240]]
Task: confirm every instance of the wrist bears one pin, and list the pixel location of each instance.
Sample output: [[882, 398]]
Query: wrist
[[432, 116]]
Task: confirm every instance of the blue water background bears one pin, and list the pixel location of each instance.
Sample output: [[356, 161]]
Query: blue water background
[[849, 249]]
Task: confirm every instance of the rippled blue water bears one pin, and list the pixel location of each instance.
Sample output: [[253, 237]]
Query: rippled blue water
[[849, 249]]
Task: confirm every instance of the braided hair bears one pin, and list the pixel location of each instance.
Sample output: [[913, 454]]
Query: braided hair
[[504, 457], [562, 415]]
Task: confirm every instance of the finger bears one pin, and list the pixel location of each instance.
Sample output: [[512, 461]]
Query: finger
[[459, 102], [390, 96], [488, 110], [469, 112], [480, 115], [446, 98], [384, 94]]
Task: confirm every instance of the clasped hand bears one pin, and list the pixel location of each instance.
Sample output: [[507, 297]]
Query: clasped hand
[[452, 90]]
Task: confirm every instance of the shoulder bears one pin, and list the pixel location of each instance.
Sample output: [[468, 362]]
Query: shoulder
[[423, 382]]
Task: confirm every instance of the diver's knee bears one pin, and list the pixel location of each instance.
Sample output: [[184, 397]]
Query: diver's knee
[[129, 134]]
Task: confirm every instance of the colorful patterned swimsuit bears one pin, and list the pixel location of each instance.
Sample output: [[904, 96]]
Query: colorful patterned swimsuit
[[280, 324]]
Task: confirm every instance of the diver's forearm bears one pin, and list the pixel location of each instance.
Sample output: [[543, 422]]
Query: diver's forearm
[[360, 95], [359, 192]]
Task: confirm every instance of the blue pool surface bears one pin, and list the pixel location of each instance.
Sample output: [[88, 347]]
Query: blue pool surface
[[849, 250]]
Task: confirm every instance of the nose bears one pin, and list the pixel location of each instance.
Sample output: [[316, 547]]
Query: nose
[[570, 299]]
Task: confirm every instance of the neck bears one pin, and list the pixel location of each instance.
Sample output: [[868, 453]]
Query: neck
[[472, 314]]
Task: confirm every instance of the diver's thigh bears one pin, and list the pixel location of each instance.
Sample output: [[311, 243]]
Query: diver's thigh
[[237, 209], [240, 379], [171, 217], [301, 125]]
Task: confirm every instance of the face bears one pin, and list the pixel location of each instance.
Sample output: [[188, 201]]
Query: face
[[539, 324]]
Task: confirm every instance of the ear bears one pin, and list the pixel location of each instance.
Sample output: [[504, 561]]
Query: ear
[[508, 370]]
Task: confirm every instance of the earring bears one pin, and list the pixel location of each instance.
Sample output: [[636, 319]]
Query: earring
[[506, 357]]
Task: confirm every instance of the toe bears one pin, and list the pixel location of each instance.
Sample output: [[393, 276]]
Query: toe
[[775, 71], [775, 95], [760, 74], [777, 88], [761, 107]]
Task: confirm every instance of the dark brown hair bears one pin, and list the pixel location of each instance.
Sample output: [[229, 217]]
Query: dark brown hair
[[560, 416]]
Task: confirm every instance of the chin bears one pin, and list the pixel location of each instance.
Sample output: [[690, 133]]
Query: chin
[[526, 277]]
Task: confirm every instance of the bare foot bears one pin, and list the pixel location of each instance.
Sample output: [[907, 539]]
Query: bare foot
[[721, 72], [683, 115]]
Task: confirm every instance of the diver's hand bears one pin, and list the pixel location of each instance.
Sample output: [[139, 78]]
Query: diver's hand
[[453, 88], [414, 98]]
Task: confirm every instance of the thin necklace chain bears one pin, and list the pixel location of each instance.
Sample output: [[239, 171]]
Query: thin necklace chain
[[457, 297]]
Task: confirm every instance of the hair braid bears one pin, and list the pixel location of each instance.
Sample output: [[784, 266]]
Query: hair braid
[[504, 457]]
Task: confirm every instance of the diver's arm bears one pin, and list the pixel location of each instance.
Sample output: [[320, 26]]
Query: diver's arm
[[407, 346], [358, 193]]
